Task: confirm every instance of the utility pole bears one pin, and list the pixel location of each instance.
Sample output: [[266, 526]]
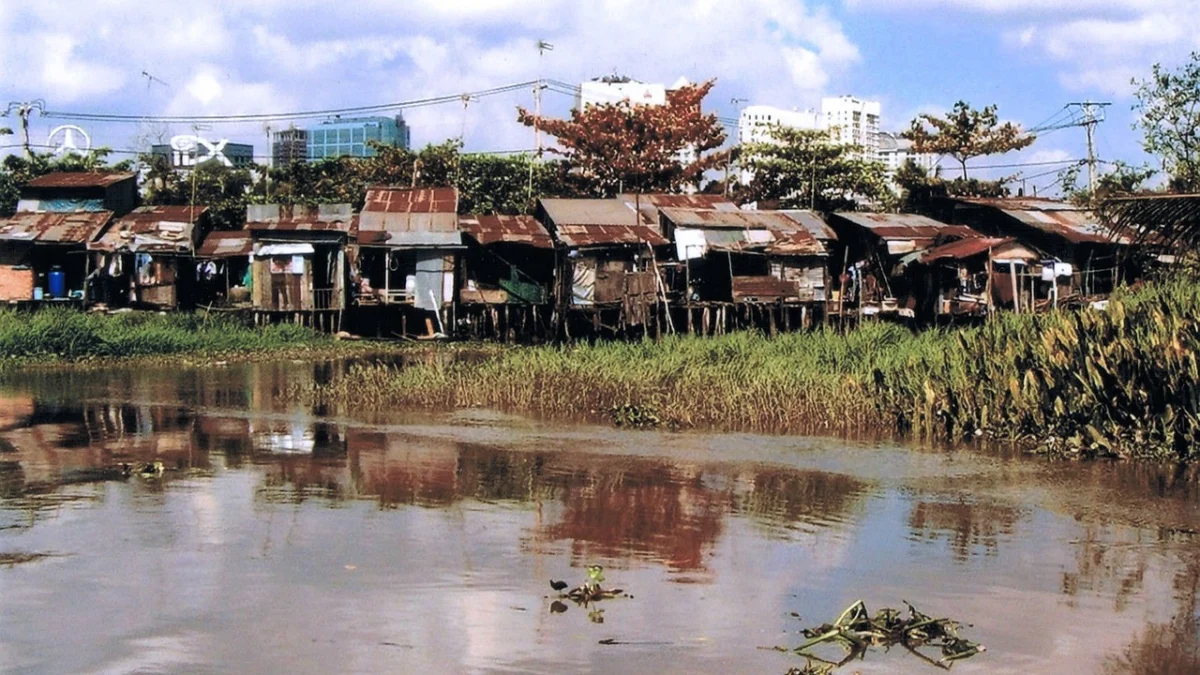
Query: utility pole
[[1092, 114], [267, 165], [23, 110], [538, 86]]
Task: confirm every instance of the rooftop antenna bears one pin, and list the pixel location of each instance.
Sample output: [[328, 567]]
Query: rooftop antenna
[[150, 79]]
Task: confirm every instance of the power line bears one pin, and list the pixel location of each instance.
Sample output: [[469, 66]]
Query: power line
[[135, 153], [1024, 164], [282, 116]]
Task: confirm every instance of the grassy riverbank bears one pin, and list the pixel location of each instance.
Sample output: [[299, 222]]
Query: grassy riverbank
[[69, 336], [1118, 382]]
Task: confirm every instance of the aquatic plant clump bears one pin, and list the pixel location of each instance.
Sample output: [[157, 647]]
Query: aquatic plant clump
[[856, 631], [586, 594]]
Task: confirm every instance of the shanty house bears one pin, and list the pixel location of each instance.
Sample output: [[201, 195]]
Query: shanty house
[[68, 192], [968, 277], [607, 263], [509, 262], [759, 258], [747, 256], [874, 244], [299, 265], [408, 248], [147, 258], [1081, 255], [223, 269], [43, 246]]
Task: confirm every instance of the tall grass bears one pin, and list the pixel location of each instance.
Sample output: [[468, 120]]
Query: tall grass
[[59, 333], [1123, 381]]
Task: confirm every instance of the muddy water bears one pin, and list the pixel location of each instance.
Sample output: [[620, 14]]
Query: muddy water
[[283, 539]]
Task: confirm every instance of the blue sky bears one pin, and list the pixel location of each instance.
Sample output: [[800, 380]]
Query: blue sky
[[1028, 56]]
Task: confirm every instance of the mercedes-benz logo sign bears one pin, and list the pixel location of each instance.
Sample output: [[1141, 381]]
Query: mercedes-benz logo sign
[[67, 137]]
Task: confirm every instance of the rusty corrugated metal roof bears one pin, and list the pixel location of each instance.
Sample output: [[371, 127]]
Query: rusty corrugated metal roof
[[813, 222], [1075, 225], [796, 243], [710, 218], [152, 229], [410, 239], [905, 226], [593, 212], [300, 218], [79, 227], [395, 209], [226, 244], [603, 235], [79, 179], [506, 229], [696, 201], [786, 236], [963, 248]]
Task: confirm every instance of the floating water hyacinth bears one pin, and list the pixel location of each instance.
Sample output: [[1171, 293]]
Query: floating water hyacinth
[[586, 593], [856, 632]]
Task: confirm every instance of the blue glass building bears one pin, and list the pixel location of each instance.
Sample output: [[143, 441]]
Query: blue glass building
[[350, 136]]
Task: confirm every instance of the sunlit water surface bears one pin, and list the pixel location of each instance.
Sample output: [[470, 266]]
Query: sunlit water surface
[[286, 539]]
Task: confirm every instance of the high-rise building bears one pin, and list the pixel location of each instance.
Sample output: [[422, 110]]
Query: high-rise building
[[617, 88], [350, 137], [895, 151], [853, 121], [289, 145], [755, 122]]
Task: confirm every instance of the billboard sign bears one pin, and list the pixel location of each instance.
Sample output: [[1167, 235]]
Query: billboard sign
[[186, 151]]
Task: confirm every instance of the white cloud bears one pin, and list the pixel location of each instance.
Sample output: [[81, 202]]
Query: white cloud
[[287, 54], [205, 88], [69, 76]]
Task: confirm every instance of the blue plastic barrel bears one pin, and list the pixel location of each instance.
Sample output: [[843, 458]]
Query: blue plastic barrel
[[58, 283]]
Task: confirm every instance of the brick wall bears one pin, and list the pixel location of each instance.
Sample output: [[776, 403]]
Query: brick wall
[[16, 283]]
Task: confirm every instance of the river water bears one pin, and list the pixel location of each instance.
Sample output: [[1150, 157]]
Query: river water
[[286, 539]]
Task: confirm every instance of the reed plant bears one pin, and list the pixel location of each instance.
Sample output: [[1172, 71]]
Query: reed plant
[[1121, 381], [68, 335]]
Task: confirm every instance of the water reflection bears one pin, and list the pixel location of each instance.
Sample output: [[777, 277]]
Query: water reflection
[[444, 533], [968, 527], [1171, 647]]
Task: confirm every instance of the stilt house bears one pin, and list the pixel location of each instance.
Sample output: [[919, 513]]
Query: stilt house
[[1082, 258], [968, 277], [875, 244], [607, 264], [507, 274], [299, 266], [43, 246], [762, 259], [408, 249], [223, 269], [147, 258]]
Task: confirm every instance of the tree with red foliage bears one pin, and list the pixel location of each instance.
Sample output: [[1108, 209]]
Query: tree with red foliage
[[629, 147]]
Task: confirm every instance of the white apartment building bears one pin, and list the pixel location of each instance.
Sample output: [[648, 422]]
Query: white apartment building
[[755, 122], [615, 88], [852, 121], [895, 151]]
